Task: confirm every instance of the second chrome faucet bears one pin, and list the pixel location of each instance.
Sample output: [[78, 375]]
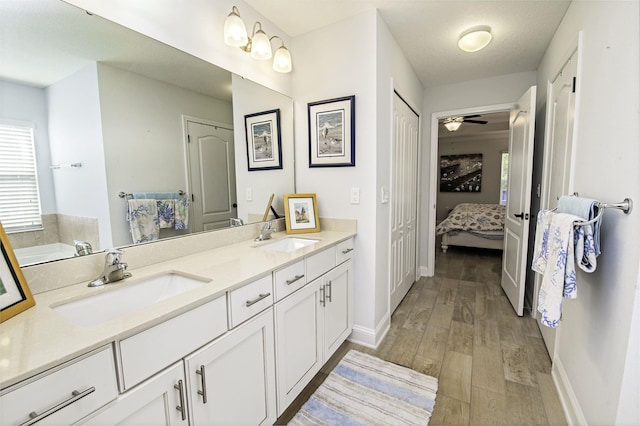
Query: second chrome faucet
[[114, 269]]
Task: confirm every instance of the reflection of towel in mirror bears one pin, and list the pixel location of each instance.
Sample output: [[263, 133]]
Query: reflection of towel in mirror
[[142, 216], [155, 195], [166, 213], [587, 209], [182, 213]]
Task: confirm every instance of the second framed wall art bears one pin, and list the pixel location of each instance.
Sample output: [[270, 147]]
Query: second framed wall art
[[332, 133]]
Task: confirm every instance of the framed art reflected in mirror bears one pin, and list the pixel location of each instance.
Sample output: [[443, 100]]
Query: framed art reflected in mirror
[[264, 147], [15, 295]]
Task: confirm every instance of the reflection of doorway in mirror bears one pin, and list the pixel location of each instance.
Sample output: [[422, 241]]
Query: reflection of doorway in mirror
[[211, 169]]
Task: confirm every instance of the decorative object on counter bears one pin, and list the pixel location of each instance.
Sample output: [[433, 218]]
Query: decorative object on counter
[[15, 295], [259, 44], [264, 147], [332, 132], [461, 173], [301, 213], [363, 389]]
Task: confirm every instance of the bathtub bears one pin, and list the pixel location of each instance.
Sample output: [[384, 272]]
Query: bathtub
[[45, 253]]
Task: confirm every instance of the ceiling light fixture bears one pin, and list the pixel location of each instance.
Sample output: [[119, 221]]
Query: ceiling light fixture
[[453, 123], [259, 44], [475, 39]]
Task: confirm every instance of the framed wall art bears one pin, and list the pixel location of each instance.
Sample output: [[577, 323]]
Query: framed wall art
[[264, 146], [332, 133], [461, 173], [15, 295], [301, 213]]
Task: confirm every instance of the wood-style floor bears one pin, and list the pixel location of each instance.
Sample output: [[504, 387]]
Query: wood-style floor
[[492, 366]]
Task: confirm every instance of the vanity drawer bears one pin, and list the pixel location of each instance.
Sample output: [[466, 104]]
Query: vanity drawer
[[153, 349], [289, 279], [72, 391], [249, 300], [320, 263], [344, 251]]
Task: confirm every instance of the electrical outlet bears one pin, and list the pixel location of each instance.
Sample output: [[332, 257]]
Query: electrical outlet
[[355, 195], [249, 194]]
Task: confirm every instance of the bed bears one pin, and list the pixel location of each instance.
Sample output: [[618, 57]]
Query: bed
[[473, 225]]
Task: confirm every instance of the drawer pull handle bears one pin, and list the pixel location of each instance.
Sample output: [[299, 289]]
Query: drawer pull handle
[[259, 298], [329, 292], [181, 407], [347, 250], [75, 396], [322, 301], [203, 381], [294, 279]]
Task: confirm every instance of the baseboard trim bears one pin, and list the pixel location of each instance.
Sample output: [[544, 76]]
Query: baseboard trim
[[424, 271], [368, 337], [568, 399]]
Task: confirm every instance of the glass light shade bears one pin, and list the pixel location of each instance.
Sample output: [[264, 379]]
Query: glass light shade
[[282, 60], [453, 124], [475, 39], [260, 46], [235, 33]]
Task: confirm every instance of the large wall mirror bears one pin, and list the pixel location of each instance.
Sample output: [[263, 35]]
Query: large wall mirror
[[116, 114]]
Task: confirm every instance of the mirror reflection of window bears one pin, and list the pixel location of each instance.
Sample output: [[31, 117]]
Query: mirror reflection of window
[[504, 175]]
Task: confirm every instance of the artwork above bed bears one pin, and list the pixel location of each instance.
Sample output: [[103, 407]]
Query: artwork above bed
[[461, 173]]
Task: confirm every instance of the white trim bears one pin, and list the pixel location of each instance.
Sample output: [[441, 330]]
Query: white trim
[[424, 272], [433, 169], [370, 338], [568, 399]]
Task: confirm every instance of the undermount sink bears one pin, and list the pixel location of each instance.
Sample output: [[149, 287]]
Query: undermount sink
[[288, 244], [111, 303]]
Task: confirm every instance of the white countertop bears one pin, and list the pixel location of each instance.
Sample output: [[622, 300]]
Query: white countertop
[[40, 338]]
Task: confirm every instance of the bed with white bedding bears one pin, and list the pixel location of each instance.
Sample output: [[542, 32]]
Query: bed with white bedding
[[473, 225]]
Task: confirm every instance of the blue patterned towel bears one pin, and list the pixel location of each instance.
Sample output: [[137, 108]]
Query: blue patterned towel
[[166, 213], [182, 213], [587, 209], [142, 216]]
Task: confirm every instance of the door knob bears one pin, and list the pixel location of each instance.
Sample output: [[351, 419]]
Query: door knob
[[522, 216]]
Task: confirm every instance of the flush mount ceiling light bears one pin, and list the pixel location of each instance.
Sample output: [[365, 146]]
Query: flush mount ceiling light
[[475, 39], [453, 123], [258, 45]]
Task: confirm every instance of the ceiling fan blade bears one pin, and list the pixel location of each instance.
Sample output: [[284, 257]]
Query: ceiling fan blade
[[475, 121], [472, 116]]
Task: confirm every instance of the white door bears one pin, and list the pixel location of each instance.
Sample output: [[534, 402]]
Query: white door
[[516, 232], [404, 178], [558, 150], [211, 175]]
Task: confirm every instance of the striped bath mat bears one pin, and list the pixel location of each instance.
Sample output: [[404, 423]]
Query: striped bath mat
[[364, 390]]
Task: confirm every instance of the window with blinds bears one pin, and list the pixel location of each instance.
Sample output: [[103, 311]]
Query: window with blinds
[[19, 197]]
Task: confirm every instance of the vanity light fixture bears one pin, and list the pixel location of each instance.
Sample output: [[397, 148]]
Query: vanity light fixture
[[453, 123], [258, 45], [475, 39]]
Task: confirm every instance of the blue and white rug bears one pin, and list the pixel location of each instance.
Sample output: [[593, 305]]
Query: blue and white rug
[[365, 390]]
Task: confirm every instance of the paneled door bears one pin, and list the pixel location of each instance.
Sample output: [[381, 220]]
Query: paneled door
[[212, 176], [404, 194], [516, 221]]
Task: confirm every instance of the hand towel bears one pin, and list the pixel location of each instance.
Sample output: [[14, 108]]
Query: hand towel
[[182, 213], [166, 213], [142, 216], [554, 258], [585, 248], [587, 209]]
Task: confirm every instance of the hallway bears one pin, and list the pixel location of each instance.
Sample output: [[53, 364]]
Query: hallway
[[492, 366]]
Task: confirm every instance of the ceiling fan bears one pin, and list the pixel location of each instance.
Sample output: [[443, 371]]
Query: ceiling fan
[[453, 123]]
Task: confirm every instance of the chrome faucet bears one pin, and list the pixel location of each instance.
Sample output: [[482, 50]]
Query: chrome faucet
[[267, 229], [114, 269]]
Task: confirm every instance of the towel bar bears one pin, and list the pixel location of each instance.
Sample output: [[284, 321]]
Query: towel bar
[[127, 195], [626, 206]]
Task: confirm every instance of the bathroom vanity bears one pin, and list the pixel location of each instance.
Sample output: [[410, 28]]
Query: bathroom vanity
[[256, 322]]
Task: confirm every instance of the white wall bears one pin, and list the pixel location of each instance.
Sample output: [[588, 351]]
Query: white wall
[[196, 28], [469, 94], [75, 136], [143, 137], [593, 345], [250, 98], [29, 104]]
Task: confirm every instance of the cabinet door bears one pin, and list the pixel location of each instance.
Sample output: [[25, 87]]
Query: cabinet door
[[232, 380], [299, 341], [338, 312], [154, 402]]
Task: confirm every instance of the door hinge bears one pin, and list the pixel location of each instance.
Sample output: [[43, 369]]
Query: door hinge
[[188, 138], [573, 89], [193, 198]]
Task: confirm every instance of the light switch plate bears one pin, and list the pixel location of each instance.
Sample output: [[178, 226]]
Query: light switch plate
[[249, 194], [355, 195], [384, 195]]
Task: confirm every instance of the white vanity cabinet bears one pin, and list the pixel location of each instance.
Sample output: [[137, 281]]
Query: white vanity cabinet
[[158, 401], [64, 394], [232, 380], [312, 323]]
